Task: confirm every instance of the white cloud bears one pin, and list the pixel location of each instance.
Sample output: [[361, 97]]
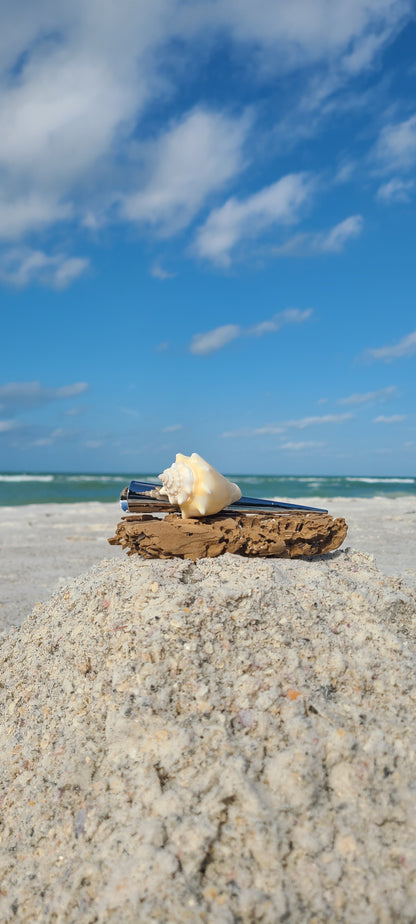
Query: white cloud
[[69, 391], [194, 158], [395, 190], [317, 421], [288, 316], [66, 270], [300, 424], [6, 425], [158, 272], [66, 109], [248, 433], [42, 441], [325, 96], [201, 344], [396, 146], [49, 437], [75, 411], [300, 32], [72, 83], [344, 172], [54, 436], [302, 446], [93, 444], [394, 418], [22, 267], [405, 347], [18, 396], [75, 79], [271, 430], [318, 242], [20, 214], [383, 394], [172, 428], [364, 51], [241, 219], [130, 411]]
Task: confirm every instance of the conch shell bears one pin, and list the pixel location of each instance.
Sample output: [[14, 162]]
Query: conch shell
[[197, 487]]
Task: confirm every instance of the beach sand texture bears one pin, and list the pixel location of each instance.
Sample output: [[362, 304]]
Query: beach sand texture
[[220, 741], [43, 546]]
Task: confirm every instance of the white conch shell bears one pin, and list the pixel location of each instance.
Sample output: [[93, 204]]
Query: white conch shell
[[197, 487]]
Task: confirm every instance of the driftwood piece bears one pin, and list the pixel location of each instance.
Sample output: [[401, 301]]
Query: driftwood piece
[[272, 536]]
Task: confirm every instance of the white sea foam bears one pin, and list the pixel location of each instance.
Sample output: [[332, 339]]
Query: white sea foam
[[312, 479], [92, 477], [383, 480], [307, 478], [250, 479], [27, 477]]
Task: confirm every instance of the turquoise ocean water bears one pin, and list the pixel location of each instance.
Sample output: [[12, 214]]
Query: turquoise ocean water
[[70, 488]]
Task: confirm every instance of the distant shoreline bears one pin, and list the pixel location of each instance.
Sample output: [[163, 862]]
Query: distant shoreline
[[20, 488]]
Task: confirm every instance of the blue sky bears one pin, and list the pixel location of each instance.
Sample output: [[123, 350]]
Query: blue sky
[[207, 235]]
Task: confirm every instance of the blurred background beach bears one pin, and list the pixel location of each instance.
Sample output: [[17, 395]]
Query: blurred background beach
[[70, 488]]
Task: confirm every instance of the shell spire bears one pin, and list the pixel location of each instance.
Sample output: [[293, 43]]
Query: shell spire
[[196, 487]]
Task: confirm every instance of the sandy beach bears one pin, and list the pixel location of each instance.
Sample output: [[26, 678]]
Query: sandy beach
[[43, 546], [207, 742]]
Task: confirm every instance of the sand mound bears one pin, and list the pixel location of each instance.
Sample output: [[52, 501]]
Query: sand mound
[[221, 741]]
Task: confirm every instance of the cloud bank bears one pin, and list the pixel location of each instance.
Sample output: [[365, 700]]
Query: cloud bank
[[78, 149]]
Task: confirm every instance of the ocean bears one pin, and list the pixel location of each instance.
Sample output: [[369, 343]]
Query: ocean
[[70, 488]]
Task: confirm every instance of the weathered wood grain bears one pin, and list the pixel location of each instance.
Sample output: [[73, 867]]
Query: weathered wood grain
[[271, 536]]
